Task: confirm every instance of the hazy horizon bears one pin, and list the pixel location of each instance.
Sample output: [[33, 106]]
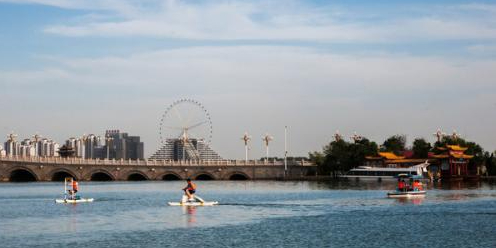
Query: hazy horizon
[[379, 68]]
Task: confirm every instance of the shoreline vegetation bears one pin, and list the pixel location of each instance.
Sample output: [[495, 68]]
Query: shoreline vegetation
[[340, 156]]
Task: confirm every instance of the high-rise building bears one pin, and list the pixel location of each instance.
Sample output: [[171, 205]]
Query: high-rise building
[[31, 147], [122, 146], [27, 149], [92, 147], [12, 147], [87, 147]]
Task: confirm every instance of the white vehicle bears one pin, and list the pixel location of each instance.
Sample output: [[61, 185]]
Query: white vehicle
[[379, 173]]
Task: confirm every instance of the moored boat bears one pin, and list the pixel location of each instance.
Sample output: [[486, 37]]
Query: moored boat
[[385, 173]]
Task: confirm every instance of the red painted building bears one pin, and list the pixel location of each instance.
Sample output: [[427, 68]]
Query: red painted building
[[450, 163], [454, 164]]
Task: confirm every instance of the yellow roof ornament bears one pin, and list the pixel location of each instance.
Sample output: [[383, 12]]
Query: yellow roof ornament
[[456, 148], [390, 155]]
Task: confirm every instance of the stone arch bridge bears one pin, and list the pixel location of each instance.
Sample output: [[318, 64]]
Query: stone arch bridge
[[15, 169]]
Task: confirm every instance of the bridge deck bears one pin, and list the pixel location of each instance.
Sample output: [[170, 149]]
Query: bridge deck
[[58, 160], [50, 169]]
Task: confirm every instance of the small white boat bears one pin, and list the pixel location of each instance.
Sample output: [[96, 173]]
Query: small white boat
[[192, 203], [406, 194], [195, 201], [411, 187], [74, 201], [71, 198]]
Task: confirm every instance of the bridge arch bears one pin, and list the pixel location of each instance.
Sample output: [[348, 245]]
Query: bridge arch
[[60, 174], [238, 176], [22, 174], [137, 176], [171, 176], [101, 175], [203, 176]]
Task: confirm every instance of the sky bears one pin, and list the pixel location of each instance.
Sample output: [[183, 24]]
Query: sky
[[379, 68]]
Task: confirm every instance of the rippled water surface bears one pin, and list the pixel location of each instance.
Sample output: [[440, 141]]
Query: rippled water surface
[[251, 214]]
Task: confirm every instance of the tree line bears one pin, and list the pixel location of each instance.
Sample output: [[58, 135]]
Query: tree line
[[340, 156]]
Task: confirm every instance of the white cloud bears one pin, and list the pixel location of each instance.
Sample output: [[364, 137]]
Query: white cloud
[[483, 49], [243, 87], [259, 88], [273, 20], [261, 65]]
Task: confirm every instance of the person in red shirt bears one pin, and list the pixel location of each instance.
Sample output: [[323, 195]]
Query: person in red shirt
[[401, 185], [415, 185], [75, 186]]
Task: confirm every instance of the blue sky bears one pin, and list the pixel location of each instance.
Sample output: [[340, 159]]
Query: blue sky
[[375, 67]]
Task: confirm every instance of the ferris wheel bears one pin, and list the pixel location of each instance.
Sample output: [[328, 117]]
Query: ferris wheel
[[186, 120]]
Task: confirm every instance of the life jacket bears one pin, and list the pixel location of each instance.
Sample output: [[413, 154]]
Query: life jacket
[[75, 186]]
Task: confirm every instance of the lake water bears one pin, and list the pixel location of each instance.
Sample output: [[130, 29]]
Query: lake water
[[251, 214]]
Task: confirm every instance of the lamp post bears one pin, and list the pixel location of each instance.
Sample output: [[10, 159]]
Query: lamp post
[[267, 138], [439, 135], [246, 138], [455, 135], [356, 138], [337, 136]]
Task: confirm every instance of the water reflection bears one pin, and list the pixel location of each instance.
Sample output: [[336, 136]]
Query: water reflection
[[72, 227], [344, 184], [457, 185], [190, 213], [408, 201]]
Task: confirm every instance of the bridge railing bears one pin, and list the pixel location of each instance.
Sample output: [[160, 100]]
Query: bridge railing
[[128, 162]]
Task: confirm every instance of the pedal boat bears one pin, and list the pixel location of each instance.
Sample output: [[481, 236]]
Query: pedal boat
[[193, 203], [74, 201], [406, 194]]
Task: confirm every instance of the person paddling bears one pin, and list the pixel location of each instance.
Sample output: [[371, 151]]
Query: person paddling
[[190, 191], [71, 182], [75, 186]]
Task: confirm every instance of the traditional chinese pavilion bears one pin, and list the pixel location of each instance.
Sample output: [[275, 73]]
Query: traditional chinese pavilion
[[454, 163], [391, 160], [451, 163]]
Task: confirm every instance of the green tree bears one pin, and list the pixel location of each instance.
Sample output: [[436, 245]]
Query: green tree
[[395, 144], [336, 156], [421, 148], [340, 156], [491, 164], [317, 158]]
